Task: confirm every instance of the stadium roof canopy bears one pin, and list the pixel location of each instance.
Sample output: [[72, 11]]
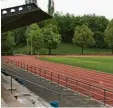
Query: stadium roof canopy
[[19, 16]]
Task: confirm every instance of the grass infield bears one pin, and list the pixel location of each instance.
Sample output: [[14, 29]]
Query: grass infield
[[104, 63]]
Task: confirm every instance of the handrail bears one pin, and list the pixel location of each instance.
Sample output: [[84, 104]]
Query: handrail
[[55, 70], [3, 70], [71, 84], [77, 79], [41, 73]]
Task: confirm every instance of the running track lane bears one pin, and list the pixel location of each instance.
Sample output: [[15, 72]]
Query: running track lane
[[99, 78], [91, 76]]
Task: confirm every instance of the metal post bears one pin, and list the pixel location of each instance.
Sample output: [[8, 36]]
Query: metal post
[[27, 67], [21, 65], [24, 66], [40, 74], [45, 75], [76, 85], [51, 77], [11, 84], [31, 68], [89, 91], [104, 97], [66, 81], [16, 63], [58, 79], [59, 98], [9, 61], [35, 71]]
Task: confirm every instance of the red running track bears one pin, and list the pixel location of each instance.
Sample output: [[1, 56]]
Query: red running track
[[90, 76]]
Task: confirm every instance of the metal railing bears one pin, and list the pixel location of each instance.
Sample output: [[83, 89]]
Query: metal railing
[[93, 91], [59, 95]]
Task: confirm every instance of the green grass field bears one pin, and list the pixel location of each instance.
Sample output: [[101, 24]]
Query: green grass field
[[66, 49], [104, 63]]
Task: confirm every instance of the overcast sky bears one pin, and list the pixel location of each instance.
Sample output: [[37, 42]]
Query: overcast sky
[[76, 7]]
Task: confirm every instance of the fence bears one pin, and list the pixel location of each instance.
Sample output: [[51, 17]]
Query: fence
[[93, 91], [51, 92]]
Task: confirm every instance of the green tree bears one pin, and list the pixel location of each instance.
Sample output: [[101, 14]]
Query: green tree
[[35, 38], [109, 35], [66, 26], [38, 40], [99, 40], [83, 37], [67, 23], [19, 36], [8, 43], [53, 27], [97, 24], [51, 37]]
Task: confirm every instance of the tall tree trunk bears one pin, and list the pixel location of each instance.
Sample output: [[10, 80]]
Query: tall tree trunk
[[27, 46], [82, 49], [27, 41], [31, 46], [49, 51], [37, 51], [34, 49], [112, 49]]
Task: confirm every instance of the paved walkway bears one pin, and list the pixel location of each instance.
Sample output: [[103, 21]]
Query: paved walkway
[[20, 97], [71, 99], [92, 77]]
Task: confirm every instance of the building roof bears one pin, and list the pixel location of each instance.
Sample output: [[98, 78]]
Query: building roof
[[19, 16]]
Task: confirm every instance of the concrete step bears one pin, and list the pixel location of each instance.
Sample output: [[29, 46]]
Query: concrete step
[[21, 96], [65, 101], [3, 104], [10, 99]]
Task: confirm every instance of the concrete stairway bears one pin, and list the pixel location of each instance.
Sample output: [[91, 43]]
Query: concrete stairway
[[20, 97], [72, 99]]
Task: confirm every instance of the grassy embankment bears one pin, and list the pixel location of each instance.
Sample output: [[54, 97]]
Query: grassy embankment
[[66, 49]]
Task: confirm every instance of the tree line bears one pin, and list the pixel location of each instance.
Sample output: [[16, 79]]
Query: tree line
[[85, 31], [35, 38]]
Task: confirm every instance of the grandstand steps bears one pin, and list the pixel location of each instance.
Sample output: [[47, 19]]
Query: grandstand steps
[[69, 99]]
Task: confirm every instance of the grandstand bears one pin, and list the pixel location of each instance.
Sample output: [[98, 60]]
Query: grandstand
[[23, 87]]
